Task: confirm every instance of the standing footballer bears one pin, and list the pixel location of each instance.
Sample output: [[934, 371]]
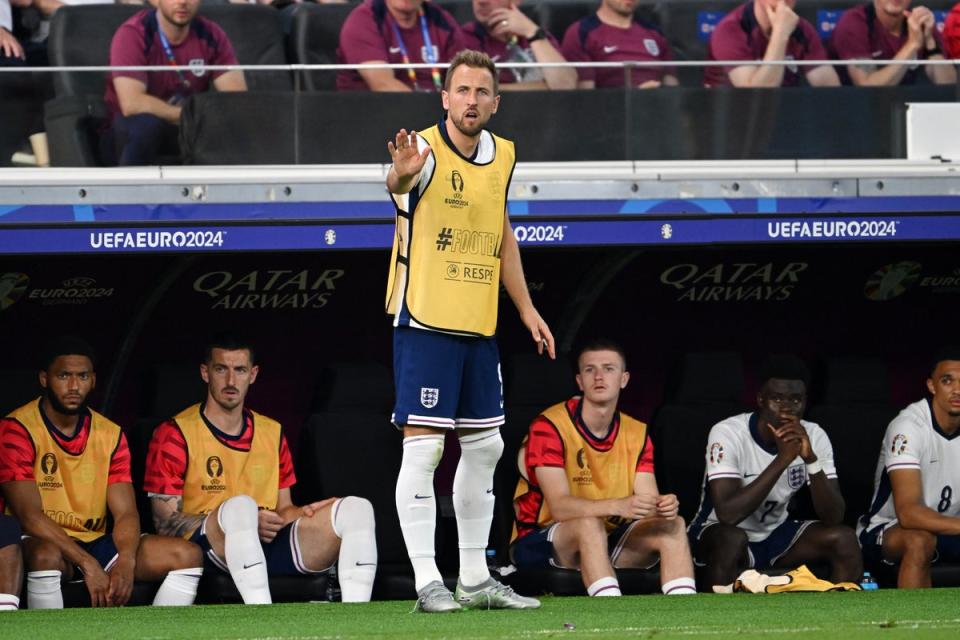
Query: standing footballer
[[452, 248]]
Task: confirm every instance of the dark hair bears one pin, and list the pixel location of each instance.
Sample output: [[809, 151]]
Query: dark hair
[[600, 344], [476, 60], [951, 352], [228, 341], [784, 367], [65, 346]]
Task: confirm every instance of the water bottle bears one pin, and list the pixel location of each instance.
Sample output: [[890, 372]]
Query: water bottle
[[333, 585], [868, 583], [492, 562]]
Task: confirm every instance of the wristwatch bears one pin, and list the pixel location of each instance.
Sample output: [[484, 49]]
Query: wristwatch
[[539, 34], [934, 50]]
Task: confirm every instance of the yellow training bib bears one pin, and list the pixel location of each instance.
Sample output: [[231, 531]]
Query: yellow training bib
[[216, 471], [446, 253], [73, 488]]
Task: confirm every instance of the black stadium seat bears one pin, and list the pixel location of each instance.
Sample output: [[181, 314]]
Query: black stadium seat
[[707, 389], [349, 447], [687, 25], [314, 38], [256, 33], [855, 411], [80, 37]]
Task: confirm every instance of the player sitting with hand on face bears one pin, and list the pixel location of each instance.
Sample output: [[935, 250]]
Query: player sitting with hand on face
[[756, 462]]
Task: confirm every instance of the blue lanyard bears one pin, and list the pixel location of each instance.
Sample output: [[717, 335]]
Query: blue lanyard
[[169, 51], [431, 58]]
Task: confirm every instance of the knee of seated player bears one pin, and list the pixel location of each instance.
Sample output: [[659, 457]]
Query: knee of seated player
[[353, 513], [918, 546], [238, 513], [159, 555], [319, 526], [843, 540], [182, 554], [40, 555], [724, 540], [588, 531]]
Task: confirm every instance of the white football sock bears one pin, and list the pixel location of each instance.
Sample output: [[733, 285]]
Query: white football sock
[[680, 587], [473, 501], [179, 588], [604, 587], [353, 522], [43, 590], [248, 566], [9, 602], [417, 504]]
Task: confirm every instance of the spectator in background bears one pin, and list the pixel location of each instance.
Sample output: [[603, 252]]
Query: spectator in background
[[506, 34], [613, 34], [144, 107], [767, 30], [395, 32], [888, 30], [951, 33], [11, 52]]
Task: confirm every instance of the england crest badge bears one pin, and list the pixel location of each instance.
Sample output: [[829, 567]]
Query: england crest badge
[[429, 397], [796, 476]]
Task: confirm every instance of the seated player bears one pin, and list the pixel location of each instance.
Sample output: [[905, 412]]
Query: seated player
[[915, 518], [588, 498], [756, 462], [220, 474], [11, 563], [65, 468]]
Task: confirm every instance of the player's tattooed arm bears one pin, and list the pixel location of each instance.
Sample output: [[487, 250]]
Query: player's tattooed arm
[[169, 518]]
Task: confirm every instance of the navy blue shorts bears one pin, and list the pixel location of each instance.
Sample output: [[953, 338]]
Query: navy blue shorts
[[765, 553], [103, 549], [282, 554], [871, 541], [445, 381], [535, 550], [10, 532]]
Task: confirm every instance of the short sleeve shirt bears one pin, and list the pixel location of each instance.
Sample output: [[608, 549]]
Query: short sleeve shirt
[[476, 37], [860, 36], [370, 34], [915, 441], [591, 40], [137, 43], [738, 36], [735, 450]]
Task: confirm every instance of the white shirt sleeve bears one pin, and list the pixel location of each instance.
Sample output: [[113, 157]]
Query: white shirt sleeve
[[6, 15], [723, 453], [822, 446], [902, 444]]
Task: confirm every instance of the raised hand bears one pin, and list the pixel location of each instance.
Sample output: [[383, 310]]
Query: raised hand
[[407, 161]]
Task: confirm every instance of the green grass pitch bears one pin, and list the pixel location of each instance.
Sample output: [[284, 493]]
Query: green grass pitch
[[886, 614]]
